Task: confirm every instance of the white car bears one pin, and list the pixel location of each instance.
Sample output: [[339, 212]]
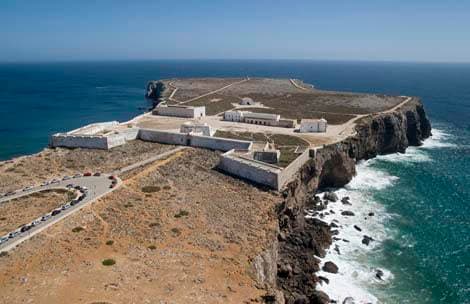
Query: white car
[[66, 206], [36, 222], [46, 217], [3, 239]]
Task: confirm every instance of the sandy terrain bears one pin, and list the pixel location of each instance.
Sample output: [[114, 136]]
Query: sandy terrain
[[175, 238]]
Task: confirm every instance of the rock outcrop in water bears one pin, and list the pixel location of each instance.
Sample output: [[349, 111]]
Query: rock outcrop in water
[[301, 240], [154, 91]]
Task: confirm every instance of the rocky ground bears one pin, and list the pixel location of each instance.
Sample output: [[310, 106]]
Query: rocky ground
[[173, 237]]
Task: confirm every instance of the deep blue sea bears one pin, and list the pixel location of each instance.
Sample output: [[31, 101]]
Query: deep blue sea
[[421, 198]]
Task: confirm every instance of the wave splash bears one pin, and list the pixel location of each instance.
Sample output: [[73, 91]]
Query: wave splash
[[359, 276]]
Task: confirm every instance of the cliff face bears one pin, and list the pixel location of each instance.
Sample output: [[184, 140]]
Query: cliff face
[[154, 91], [299, 240]]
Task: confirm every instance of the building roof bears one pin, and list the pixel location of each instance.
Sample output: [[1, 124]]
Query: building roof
[[309, 120]]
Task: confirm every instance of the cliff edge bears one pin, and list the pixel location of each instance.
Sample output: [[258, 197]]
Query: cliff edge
[[301, 241]]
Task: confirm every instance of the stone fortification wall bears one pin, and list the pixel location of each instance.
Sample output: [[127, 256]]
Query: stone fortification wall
[[251, 170], [288, 173], [93, 128], [208, 142], [78, 141]]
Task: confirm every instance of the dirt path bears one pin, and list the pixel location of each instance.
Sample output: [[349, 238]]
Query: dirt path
[[215, 91]]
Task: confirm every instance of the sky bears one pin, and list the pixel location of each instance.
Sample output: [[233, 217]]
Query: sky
[[377, 30]]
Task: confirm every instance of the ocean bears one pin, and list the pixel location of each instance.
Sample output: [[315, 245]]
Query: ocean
[[420, 199]]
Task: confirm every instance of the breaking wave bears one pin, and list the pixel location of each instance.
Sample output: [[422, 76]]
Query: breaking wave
[[360, 275]]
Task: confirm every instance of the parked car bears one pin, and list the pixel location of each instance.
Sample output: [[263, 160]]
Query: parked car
[[112, 177], [25, 228], [66, 178], [77, 175], [45, 183], [74, 202], [55, 212], [27, 188], [97, 174], [13, 234], [87, 174], [10, 193], [45, 217], [55, 181], [69, 186], [3, 239], [36, 222], [112, 185], [65, 207]]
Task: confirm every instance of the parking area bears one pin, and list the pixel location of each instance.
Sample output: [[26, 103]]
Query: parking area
[[86, 187]]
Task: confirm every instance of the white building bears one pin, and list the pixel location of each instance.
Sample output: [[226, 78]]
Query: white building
[[196, 128], [180, 111], [266, 119], [233, 116], [247, 101], [313, 125]]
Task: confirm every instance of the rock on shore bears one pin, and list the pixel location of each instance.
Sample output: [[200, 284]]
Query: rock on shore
[[334, 166]]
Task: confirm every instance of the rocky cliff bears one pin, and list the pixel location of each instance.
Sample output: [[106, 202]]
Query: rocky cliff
[[300, 240]]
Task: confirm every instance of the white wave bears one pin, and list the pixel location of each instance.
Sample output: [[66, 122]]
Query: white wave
[[357, 272], [368, 178], [439, 139]]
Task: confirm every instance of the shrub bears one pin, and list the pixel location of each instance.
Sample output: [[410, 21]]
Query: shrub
[[3, 254], [166, 187], [150, 189], [152, 247], [154, 224], [78, 229], [182, 213], [108, 262], [110, 242], [176, 231]]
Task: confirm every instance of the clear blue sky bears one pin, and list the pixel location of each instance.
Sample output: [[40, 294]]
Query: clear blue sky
[[401, 30]]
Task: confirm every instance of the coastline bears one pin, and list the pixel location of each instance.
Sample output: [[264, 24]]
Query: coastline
[[304, 240], [301, 239]]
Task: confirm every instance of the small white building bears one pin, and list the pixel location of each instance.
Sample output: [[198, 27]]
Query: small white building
[[313, 125], [233, 116], [247, 101], [180, 111], [196, 128]]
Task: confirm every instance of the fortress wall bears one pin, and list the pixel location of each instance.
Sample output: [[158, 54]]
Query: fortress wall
[[288, 173], [217, 143], [163, 137], [78, 141], [250, 170], [208, 142], [93, 128]]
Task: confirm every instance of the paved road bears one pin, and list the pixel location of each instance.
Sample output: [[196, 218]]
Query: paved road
[[97, 186]]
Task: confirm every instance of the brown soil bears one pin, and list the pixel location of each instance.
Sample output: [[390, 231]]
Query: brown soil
[[187, 238]]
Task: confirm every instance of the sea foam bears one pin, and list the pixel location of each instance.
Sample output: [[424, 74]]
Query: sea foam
[[357, 275]]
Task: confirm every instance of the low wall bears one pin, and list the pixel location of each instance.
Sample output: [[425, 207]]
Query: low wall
[[93, 128], [288, 173], [208, 142], [250, 170], [78, 141]]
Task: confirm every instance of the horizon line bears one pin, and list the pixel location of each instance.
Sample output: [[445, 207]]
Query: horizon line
[[230, 59]]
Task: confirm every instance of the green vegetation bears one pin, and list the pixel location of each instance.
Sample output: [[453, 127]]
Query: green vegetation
[[166, 187], [182, 213], [78, 229], [176, 231], [109, 242], [152, 247], [108, 262], [150, 189]]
